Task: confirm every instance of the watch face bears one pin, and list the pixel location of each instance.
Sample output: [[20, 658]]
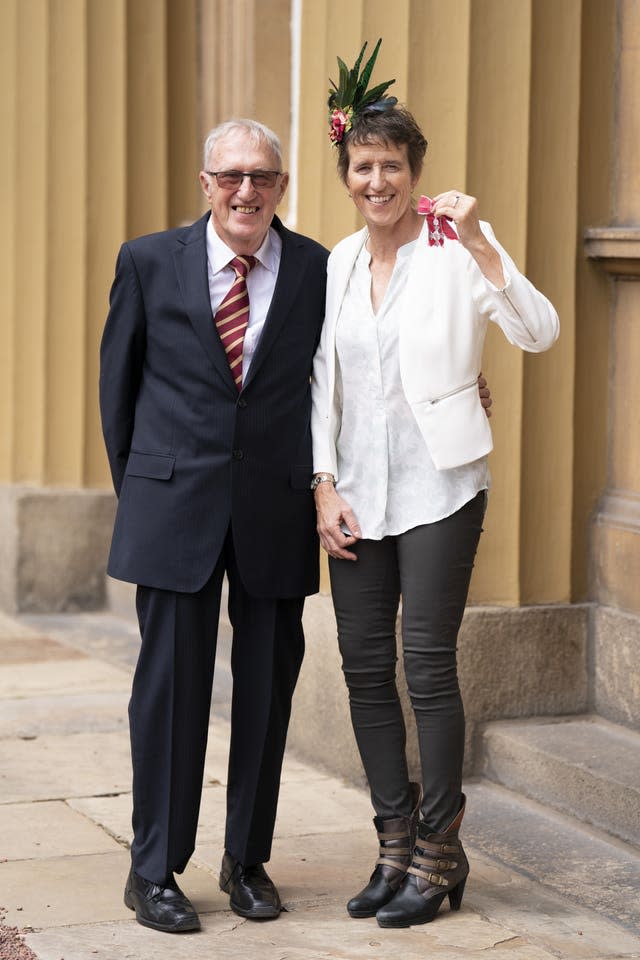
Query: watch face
[[322, 478]]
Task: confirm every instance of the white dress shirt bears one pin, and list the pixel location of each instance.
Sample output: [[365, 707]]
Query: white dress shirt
[[261, 283], [385, 471]]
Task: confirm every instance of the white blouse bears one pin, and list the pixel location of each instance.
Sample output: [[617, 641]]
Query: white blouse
[[385, 471]]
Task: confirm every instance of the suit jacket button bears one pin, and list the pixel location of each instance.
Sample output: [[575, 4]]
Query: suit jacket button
[[238, 454], [242, 402]]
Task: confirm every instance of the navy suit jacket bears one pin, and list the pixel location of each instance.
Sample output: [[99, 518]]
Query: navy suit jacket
[[189, 455]]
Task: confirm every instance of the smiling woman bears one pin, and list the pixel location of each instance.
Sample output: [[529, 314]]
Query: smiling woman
[[380, 182], [400, 444]]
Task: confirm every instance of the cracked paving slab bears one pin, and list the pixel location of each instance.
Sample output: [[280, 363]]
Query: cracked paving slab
[[312, 934]]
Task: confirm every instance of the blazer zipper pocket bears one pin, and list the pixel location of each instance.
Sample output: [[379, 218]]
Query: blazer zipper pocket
[[517, 313], [452, 393]]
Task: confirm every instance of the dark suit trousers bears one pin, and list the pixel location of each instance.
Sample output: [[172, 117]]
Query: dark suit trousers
[[169, 717]]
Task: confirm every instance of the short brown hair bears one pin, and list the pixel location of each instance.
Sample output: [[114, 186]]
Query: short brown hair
[[394, 125]]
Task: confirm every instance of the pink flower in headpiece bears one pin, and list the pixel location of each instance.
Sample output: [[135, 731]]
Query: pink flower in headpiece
[[439, 227], [340, 121]]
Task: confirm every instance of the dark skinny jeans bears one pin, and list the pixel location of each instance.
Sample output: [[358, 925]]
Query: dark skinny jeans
[[430, 567]]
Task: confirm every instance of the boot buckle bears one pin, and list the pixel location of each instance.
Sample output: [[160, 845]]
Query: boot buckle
[[434, 878], [439, 880]]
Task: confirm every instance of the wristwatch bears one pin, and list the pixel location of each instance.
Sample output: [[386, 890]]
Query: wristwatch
[[322, 478]]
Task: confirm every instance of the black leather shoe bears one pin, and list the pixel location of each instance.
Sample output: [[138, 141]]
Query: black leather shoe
[[162, 908], [252, 893]]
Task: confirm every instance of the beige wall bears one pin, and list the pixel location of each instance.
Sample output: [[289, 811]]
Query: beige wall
[[244, 54], [105, 105], [97, 151], [496, 88]]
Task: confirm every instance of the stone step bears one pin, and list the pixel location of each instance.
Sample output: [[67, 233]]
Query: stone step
[[569, 859], [584, 766]]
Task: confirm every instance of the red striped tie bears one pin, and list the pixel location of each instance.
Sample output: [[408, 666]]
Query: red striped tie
[[233, 315]]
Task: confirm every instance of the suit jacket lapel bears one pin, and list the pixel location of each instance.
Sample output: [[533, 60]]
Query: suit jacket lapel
[[290, 274], [190, 260]]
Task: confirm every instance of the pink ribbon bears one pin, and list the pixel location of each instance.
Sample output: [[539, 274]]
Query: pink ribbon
[[439, 227]]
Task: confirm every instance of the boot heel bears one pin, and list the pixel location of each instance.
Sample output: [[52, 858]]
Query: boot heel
[[455, 896]]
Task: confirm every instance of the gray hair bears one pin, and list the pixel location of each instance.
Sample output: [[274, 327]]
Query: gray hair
[[259, 135]]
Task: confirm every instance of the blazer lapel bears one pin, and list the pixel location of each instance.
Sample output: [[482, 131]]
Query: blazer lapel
[[290, 274], [190, 260], [342, 272]]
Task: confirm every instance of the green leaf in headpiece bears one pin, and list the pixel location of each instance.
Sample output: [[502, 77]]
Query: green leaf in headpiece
[[350, 95], [366, 73], [353, 85], [356, 66], [344, 77]]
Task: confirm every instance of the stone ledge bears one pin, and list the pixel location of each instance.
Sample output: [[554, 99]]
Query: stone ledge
[[619, 508], [616, 249], [53, 548], [616, 655]]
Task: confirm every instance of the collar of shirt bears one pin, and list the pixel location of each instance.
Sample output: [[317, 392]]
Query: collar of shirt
[[261, 283], [219, 255]]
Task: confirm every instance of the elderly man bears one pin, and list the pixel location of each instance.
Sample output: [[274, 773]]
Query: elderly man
[[204, 393]]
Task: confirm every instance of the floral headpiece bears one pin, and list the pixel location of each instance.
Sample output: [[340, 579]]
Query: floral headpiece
[[351, 97]]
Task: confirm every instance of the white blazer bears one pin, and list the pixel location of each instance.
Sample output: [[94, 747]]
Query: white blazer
[[443, 313]]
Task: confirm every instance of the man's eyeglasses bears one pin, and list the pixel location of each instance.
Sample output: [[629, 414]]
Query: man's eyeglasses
[[231, 179]]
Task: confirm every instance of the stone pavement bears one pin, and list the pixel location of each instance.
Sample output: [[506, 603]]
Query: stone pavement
[[65, 811]]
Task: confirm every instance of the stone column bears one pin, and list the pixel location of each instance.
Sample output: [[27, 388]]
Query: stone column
[[87, 118], [615, 547], [245, 66]]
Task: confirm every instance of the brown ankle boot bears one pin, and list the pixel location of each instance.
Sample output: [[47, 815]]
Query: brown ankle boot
[[439, 868], [397, 837]]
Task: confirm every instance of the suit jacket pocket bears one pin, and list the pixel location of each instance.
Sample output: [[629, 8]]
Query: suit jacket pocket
[[155, 466]]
